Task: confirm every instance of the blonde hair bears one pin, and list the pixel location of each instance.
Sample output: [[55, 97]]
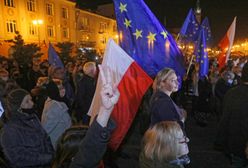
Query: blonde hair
[[160, 142], [89, 68], [162, 76]]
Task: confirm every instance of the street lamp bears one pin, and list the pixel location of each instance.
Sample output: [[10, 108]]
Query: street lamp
[[38, 23]]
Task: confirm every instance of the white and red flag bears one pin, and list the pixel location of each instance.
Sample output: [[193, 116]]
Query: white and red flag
[[132, 83], [226, 45]]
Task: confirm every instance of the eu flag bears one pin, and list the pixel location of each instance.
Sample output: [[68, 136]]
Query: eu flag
[[202, 54], [207, 31], [53, 57], [190, 29], [143, 37]]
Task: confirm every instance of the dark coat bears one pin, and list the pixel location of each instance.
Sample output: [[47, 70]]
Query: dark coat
[[163, 109], [85, 93], [233, 128], [25, 143], [93, 146]]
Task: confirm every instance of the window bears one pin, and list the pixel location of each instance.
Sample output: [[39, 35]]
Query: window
[[9, 3], [50, 31], [65, 13], [11, 26], [65, 32], [32, 29], [49, 9], [84, 23], [31, 4], [103, 27]]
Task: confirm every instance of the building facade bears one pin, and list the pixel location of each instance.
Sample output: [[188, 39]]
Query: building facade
[[43, 21]]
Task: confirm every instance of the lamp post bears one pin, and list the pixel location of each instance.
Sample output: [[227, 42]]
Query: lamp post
[[38, 23]]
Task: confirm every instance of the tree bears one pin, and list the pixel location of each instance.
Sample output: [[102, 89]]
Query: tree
[[65, 51], [23, 53]]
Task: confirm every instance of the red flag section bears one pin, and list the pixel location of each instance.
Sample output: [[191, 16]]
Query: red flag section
[[226, 45]]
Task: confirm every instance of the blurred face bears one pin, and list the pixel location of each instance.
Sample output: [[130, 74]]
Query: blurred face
[[183, 147], [27, 102], [59, 74], [171, 83]]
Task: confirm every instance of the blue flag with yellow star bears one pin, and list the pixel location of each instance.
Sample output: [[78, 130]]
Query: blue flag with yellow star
[[202, 54], [207, 31], [53, 57], [144, 38], [190, 29]]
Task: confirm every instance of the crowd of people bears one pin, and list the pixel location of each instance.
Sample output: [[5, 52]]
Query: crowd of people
[[44, 121]]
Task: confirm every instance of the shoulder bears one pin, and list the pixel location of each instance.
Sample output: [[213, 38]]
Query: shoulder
[[56, 104]]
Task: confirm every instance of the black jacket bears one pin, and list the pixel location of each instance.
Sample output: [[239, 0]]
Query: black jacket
[[233, 129], [25, 143], [93, 146]]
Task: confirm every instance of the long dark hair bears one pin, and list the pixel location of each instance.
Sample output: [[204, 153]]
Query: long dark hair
[[68, 146]]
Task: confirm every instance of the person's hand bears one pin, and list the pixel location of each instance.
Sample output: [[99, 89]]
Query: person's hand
[[109, 97], [109, 93]]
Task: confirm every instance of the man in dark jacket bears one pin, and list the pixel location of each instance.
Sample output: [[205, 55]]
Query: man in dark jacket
[[24, 141], [233, 130]]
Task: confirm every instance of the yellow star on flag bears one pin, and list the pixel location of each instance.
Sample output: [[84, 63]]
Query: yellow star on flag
[[151, 37], [138, 33], [165, 34], [123, 7], [127, 23]]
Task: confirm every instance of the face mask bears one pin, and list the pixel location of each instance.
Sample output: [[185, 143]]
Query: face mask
[[229, 81]]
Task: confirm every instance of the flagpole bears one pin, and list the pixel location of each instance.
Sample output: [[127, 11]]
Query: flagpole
[[190, 63]]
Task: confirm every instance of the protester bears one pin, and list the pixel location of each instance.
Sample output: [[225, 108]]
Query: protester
[[24, 141], [55, 117], [232, 134], [164, 145], [85, 92], [163, 107]]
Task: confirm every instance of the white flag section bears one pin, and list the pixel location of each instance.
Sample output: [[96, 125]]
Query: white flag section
[[132, 84]]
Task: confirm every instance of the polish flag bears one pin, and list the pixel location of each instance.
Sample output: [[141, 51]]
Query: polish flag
[[226, 45], [132, 84]]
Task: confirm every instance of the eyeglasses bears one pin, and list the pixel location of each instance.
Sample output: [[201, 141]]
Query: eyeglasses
[[184, 140]]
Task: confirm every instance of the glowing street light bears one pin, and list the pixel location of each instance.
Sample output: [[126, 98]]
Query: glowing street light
[[38, 23]]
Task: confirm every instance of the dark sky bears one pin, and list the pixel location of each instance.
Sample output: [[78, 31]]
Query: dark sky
[[219, 12]]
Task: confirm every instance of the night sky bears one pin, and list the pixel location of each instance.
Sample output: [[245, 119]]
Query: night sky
[[219, 12]]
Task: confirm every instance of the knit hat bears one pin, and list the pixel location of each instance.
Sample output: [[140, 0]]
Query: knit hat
[[244, 76], [15, 98]]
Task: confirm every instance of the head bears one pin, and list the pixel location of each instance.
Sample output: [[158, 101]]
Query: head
[[244, 75], [56, 72], [165, 141], [4, 74], [18, 100], [89, 69], [166, 81], [228, 76], [68, 145]]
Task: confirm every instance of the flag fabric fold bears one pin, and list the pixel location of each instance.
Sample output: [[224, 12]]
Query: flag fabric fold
[[207, 31], [53, 58], [202, 54], [132, 84], [190, 29], [143, 37], [226, 45]]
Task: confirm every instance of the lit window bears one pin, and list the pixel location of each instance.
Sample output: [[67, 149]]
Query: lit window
[[65, 32], [84, 23], [31, 4], [11, 26], [49, 9], [33, 29], [65, 13], [50, 31], [103, 27], [9, 3]]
